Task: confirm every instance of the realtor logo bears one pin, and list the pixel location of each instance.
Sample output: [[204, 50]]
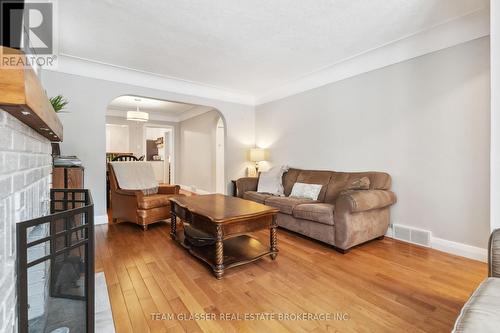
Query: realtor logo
[[28, 26]]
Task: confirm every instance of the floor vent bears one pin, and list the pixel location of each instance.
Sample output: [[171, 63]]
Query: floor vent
[[412, 235]]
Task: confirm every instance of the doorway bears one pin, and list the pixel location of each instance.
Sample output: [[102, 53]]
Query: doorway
[[158, 149], [220, 182]]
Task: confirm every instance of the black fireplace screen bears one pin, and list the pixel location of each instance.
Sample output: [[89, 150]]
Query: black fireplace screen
[[55, 266]]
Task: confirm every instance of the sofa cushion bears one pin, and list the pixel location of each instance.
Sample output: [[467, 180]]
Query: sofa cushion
[[317, 212], [289, 178], [154, 201], [480, 313], [256, 196], [286, 204]]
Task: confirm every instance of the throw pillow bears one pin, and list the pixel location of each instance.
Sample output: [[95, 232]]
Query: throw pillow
[[308, 191], [272, 181], [360, 184]]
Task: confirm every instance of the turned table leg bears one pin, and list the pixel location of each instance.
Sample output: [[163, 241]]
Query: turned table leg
[[274, 238], [219, 255]]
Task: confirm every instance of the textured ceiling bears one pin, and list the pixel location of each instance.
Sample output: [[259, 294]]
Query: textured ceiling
[[242, 45]]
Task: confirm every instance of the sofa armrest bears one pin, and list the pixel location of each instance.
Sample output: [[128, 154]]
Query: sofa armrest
[[494, 254], [364, 200], [130, 193], [246, 184], [169, 189], [361, 215], [162, 189]]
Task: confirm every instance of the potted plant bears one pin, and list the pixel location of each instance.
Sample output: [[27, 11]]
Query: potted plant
[[58, 103]]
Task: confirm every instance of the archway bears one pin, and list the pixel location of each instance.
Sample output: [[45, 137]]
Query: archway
[[191, 143]]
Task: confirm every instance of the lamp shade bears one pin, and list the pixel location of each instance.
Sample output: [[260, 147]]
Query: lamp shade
[[137, 116], [258, 154]]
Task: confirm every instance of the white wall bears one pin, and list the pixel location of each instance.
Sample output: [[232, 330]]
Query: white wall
[[117, 138], [153, 133], [495, 113], [197, 151], [425, 121], [84, 125], [136, 136]]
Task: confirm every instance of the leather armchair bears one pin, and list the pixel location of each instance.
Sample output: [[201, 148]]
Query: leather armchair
[[134, 206]]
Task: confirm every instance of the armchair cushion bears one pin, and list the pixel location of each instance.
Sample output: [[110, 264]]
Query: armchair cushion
[[154, 201], [364, 200], [317, 212]]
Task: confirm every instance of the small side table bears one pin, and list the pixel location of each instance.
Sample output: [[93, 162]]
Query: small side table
[[235, 189]]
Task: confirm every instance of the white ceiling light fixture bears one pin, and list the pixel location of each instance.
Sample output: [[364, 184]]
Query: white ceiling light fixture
[[137, 115]]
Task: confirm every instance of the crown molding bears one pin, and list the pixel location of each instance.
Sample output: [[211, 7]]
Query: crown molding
[[459, 30], [453, 32], [195, 111], [99, 70]]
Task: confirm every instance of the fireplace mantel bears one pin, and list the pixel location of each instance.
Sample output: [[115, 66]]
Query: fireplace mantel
[[23, 96]]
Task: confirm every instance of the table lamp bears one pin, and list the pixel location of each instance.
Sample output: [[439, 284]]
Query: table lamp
[[257, 155]]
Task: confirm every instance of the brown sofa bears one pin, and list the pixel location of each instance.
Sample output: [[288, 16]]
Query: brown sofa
[[344, 214], [134, 206]]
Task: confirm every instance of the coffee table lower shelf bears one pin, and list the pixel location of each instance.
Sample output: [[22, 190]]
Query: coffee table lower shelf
[[238, 251]]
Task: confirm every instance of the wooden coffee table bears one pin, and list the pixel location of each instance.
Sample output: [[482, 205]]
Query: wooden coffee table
[[228, 220]]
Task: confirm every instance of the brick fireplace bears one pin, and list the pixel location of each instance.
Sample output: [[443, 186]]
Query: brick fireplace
[[25, 181]]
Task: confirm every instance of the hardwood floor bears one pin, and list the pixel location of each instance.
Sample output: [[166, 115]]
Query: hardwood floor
[[383, 286]]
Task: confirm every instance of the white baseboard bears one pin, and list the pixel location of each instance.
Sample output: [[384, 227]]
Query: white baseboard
[[459, 249], [101, 219], [194, 189]]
